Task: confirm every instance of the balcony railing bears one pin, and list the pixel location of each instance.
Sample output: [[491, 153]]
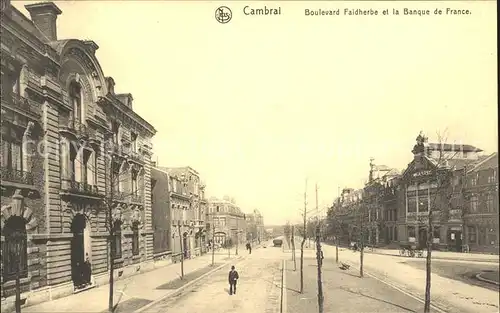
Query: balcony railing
[[119, 195], [136, 156], [76, 127], [127, 197], [74, 186], [136, 198], [16, 176], [23, 104]]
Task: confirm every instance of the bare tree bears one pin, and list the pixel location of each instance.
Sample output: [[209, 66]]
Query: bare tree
[[361, 210], [304, 233], [293, 249], [442, 174], [287, 230], [333, 226], [116, 173]]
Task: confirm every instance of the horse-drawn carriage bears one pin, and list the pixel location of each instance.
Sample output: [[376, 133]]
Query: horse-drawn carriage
[[411, 250]]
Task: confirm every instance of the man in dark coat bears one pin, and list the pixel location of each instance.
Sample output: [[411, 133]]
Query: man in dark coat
[[233, 279]]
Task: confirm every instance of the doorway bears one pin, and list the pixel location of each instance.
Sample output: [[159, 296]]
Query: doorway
[[422, 237], [455, 240], [80, 271]]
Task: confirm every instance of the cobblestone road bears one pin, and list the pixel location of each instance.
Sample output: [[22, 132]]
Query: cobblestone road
[[258, 288]]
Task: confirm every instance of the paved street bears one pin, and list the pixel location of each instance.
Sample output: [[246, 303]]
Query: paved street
[[131, 293], [258, 288], [450, 294], [459, 270], [344, 291]]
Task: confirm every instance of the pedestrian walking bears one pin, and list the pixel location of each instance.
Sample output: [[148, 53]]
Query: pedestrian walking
[[233, 279]]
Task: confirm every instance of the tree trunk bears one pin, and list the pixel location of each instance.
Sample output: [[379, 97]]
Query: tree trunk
[[181, 238], [111, 260], [302, 264], [293, 249], [427, 305], [337, 251], [361, 258], [362, 246], [319, 260], [213, 244]]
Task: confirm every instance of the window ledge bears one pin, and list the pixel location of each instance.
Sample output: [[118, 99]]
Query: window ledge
[[135, 257]]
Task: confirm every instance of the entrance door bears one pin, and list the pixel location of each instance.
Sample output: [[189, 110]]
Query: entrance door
[[78, 250], [422, 237], [455, 240]]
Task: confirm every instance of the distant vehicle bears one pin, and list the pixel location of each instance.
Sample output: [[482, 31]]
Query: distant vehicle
[[277, 242]]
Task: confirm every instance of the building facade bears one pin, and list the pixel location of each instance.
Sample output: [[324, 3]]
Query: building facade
[[179, 212], [255, 231], [226, 222], [481, 205], [75, 163], [456, 183]]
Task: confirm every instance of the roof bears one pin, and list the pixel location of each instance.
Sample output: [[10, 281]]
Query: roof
[[486, 162], [381, 168], [452, 147]]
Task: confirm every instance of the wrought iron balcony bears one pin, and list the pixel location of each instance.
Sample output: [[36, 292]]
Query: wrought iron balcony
[[135, 156], [76, 187], [119, 195], [30, 107], [136, 198], [75, 127], [16, 176]]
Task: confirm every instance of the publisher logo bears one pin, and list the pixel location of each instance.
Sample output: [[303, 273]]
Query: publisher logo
[[223, 14]]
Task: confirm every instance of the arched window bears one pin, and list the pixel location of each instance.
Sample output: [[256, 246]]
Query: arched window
[[15, 249], [116, 245], [135, 238], [75, 96]]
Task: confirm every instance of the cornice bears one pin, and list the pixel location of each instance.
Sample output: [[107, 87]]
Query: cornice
[[126, 111]]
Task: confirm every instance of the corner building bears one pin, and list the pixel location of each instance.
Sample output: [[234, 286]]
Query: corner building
[[74, 153]]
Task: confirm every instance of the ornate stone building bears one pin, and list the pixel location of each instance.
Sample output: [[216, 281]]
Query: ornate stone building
[[75, 162], [432, 182], [455, 182], [226, 221], [255, 227], [481, 205], [184, 207]]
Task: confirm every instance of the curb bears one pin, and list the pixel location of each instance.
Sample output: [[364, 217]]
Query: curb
[[405, 292], [486, 280], [179, 290], [283, 302]]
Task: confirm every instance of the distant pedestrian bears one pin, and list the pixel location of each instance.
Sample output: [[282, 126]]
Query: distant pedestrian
[[233, 279], [249, 248]]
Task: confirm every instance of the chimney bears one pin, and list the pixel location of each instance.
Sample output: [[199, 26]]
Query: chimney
[[44, 16], [126, 98]]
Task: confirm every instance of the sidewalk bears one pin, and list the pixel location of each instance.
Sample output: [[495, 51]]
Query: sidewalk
[[451, 295], [138, 288], [477, 257]]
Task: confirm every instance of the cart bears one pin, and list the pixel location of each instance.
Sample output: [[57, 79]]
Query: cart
[[411, 251]]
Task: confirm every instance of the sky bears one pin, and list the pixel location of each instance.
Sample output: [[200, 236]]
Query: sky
[[260, 104]]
